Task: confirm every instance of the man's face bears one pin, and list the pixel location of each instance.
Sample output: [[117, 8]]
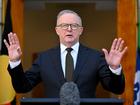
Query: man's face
[[69, 29]]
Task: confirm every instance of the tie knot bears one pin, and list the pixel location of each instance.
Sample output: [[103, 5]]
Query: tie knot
[[69, 50]]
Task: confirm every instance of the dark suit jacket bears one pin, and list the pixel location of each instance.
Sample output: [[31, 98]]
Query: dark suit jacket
[[91, 68]]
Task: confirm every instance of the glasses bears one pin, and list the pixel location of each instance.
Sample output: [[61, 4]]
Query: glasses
[[66, 26]]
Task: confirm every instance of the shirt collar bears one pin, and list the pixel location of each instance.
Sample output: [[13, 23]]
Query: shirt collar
[[74, 47]]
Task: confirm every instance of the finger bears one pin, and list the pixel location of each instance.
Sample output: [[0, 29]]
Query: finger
[[124, 50], [105, 52], [16, 39], [113, 44], [13, 38], [6, 43], [118, 44], [10, 38], [121, 45]]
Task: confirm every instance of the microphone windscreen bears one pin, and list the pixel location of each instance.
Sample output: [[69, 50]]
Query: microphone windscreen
[[69, 94]]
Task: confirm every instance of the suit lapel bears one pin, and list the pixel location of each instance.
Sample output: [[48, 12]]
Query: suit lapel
[[81, 60], [57, 64]]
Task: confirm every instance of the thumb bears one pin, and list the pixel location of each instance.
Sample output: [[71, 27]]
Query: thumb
[[105, 52], [19, 51]]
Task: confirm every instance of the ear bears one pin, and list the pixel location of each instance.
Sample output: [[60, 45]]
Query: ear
[[81, 30], [57, 31]]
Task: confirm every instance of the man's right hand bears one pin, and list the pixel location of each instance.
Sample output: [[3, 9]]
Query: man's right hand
[[13, 47]]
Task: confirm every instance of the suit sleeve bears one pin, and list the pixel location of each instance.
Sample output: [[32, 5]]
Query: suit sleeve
[[25, 81], [110, 81]]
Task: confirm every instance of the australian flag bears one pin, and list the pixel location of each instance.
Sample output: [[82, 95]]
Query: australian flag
[[137, 81], [137, 73]]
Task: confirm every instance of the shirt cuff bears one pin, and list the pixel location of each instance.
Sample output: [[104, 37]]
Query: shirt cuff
[[116, 71], [14, 64]]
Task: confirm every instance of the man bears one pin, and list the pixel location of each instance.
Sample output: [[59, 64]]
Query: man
[[90, 65]]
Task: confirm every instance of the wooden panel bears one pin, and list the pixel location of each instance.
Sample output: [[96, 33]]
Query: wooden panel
[[126, 28], [17, 20]]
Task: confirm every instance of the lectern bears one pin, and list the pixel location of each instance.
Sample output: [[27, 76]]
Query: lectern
[[83, 101]]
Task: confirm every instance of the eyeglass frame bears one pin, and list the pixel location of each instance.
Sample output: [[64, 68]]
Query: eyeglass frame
[[65, 26]]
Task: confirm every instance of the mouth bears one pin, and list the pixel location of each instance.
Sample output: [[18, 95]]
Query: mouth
[[69, 35]]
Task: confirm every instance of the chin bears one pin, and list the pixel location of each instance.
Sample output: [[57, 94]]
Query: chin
[[69, 41]]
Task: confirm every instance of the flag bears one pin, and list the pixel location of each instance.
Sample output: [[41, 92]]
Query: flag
[[137, 74], [7, 93]]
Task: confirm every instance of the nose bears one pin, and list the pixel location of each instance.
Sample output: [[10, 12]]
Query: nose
[[69, 28]]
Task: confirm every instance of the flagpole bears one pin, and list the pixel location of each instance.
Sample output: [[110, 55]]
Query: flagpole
[[0, 23], [2, 19]]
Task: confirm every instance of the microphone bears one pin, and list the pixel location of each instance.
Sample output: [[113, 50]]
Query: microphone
[[69, 94]]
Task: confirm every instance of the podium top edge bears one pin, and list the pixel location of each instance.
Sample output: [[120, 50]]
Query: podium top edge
[[85, 100]]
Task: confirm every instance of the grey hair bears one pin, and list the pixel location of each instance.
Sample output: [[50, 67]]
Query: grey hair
[[68, 11]]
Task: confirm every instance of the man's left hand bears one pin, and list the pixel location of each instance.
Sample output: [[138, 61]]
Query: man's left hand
[[116, 53]]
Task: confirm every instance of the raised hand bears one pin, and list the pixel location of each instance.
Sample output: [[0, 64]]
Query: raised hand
[[116, 53], [13, 47]]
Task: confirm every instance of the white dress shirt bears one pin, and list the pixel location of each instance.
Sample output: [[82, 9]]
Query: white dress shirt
[[74, 54]]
